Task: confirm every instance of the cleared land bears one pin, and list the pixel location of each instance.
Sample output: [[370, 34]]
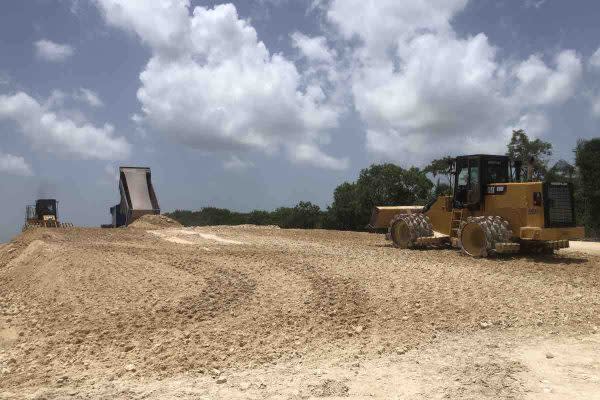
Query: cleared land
[[253, 313]]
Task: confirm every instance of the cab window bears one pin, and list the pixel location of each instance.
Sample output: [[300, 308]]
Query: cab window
[[474, 176], [463, 177], [497, 171]]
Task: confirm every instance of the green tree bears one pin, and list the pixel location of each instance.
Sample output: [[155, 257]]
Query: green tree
[[259, 217], [304, 215], [562, 171], [378, 185], [441, 166], [587, 160], [344, 212], [523, 149], [441, 189]]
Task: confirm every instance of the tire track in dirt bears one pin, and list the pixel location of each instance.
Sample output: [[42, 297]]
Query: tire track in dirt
[[124, 297], [338, 302], [225, 289]]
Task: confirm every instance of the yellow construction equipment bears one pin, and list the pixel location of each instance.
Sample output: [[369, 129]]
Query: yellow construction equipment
[[490, 211]]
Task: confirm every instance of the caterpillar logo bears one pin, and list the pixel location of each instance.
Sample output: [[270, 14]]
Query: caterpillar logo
[[496, 189]]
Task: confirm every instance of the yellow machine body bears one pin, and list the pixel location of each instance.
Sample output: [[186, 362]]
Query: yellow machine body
[[490, 210], [515, 203]]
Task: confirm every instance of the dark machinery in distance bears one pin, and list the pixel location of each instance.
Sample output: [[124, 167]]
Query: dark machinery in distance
[[138, 197], [44, 214]]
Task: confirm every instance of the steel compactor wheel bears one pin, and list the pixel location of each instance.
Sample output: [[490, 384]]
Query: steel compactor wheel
[[405, 229], [481, 236]]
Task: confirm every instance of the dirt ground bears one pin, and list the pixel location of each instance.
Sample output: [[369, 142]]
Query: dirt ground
[[263, 313]]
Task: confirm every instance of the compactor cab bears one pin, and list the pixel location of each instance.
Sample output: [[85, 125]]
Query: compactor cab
[[473, 174], [489, 211]]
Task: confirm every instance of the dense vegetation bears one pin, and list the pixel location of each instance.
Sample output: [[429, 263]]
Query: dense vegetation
[[304, 215], [587, 178], [389, 184]]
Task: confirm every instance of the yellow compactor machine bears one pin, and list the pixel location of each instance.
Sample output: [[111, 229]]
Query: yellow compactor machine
[[490, 211]]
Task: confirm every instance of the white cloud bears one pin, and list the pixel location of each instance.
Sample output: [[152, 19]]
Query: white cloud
[[595, 59], [74, 6], [539, 84], [54, 52], [310, 154], [315, 49], [56, 99], [381, 24], [534, 3], [423, 91], [534, 124], [14, 165], [212, 85], [596, 106], [89, 97], [49, 130], [234, 163], [163, 25], [111, 174]]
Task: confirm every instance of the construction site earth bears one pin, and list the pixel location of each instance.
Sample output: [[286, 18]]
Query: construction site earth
[[158, 311]]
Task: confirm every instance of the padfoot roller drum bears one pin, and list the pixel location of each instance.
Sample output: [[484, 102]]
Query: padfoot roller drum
[[406, 229]]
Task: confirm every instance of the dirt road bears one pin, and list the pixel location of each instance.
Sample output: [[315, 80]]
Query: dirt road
[[248, 312]]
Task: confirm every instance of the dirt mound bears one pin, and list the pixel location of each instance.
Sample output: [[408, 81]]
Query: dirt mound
[[154, 221], [89, 307]]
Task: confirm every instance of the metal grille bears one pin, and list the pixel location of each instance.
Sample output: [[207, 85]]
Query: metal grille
[[560, 205]]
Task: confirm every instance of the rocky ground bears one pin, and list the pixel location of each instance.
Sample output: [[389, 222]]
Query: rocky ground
[[249, 312]]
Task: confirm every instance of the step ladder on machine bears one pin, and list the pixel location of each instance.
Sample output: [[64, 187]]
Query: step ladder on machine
[[457, 217]]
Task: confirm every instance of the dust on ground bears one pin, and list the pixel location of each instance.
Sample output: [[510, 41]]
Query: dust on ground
[[592, 248], [241, 312], [150, 221]]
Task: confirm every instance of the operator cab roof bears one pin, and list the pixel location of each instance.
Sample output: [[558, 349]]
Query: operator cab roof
[[483, 156]]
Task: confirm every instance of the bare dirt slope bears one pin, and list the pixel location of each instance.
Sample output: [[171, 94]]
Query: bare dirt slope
[[249, 312]]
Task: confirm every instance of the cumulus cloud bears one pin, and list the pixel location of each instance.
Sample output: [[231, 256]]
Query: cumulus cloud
[[539, 84], [311, 154], [111, 174], [534, 3], [596, 106], [89, 97], [535, 124], [315, 49], [212, 85], [381, 24], [595, 59], [424, 91], [234, 163], [14, 165], [163, 25], [51, 51], [49, 130]]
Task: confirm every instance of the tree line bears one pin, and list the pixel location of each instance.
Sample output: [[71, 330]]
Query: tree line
[[390, 184]]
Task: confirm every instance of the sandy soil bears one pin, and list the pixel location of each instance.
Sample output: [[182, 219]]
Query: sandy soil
[[261, 313], [592, 248]]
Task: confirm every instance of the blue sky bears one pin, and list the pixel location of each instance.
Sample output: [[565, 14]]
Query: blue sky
[[263, 103]]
